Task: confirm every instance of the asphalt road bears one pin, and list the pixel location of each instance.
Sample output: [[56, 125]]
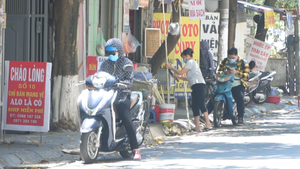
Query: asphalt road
[[265, 141]]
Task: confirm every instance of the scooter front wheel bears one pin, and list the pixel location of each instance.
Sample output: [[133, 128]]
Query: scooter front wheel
[[88, 149], [219, 108]]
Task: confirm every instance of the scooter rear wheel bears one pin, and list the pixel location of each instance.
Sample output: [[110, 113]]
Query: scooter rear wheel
[[261, 100], [235, 116], [219, 108]]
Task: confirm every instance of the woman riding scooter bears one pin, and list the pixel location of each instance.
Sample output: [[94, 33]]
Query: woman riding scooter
[[114, 66]]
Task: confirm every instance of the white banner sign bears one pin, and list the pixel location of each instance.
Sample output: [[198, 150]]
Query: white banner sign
[[126, 16], [196, 9], [210, 31], [259, 52]]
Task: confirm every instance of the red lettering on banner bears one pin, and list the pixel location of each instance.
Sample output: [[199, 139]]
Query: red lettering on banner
[[26, 93], [259, 44], [267, 47], [185, 44], [160, 24], [164, 110], [196, 2]]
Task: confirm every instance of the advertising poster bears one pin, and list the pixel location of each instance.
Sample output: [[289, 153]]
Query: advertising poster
[[209, 32], [190, 39], [27, 96], [196, 9], [259, 52], [93, 64]]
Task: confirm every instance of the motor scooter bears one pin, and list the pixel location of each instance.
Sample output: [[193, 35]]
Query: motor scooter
[[224, 106], [261, 94], [101, 129]]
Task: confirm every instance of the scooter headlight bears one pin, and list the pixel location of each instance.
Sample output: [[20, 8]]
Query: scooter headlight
[[98, 82]]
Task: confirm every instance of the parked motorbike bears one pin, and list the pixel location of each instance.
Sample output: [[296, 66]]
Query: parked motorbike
[[252, 84], [101, 129], [261, 94], [224, 106]]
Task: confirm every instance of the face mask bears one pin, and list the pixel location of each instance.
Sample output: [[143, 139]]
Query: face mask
[[184, 60], [231, 60], [113, 57]]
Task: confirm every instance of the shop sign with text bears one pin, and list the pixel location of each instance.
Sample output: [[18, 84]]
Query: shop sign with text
[[190, 39], [259, 52], [26, 96]]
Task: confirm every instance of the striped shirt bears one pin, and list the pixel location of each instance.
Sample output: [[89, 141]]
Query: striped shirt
[[242, 69]]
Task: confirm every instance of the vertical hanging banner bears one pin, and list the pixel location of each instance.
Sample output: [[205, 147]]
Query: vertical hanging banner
[[27, 96], [190, 39], [143, 3], [196, 9], [126, 16], [269, 19], [259, 52], [210, 31], [93, 64]]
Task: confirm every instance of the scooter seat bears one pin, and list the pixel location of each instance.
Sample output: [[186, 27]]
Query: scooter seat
[[134, 98]]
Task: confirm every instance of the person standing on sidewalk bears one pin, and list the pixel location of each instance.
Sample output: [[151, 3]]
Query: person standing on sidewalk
[[206, 60], [239, 69], [197, 83]]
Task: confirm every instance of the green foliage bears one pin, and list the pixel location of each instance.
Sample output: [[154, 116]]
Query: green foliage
[[279, 24], [279, 3]]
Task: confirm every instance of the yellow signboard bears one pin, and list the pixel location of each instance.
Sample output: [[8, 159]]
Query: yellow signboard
[[190, 39], [269, 19]]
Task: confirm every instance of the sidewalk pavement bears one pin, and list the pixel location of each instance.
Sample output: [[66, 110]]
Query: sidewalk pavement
[[22, 149]]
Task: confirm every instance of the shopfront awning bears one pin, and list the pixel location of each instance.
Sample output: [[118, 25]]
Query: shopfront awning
[[260, 8]]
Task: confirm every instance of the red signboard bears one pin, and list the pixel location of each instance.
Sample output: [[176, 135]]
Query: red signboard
[[27, 96], [91, 65]]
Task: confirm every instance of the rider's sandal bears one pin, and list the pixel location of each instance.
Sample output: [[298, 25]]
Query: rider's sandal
[[207, 128], [196, 131]]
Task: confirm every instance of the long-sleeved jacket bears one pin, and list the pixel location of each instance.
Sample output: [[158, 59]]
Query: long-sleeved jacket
[[116, 68], [206, 60], [242, 69]]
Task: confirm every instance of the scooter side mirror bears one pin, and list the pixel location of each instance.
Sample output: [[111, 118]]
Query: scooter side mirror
[[128, 68]]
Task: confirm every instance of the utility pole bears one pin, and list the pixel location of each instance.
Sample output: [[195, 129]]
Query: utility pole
[[1, 67], [297, 60], [223, 34]]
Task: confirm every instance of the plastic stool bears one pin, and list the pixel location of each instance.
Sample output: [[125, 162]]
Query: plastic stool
[[152, 116]]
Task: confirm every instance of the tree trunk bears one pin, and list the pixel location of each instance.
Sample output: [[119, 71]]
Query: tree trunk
[[65, 73], [259, 19], [232, 23], [159, 57]]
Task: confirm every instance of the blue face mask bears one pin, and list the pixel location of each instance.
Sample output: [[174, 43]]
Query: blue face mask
[[184, 60], [231, 60], [113, 57]]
